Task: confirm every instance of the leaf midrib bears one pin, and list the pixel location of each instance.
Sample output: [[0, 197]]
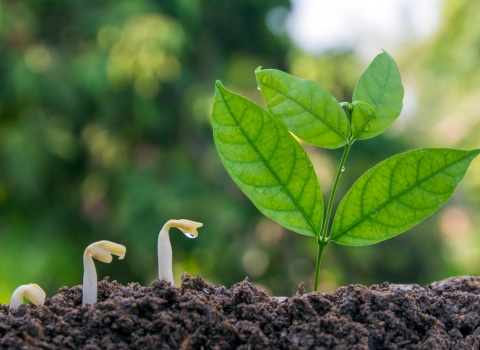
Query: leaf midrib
[[312, 226], [307, 109], [398, 196], [386, 83]]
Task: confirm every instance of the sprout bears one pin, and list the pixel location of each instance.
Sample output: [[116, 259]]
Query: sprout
[[189, 228], [32, 292], [102, 251]]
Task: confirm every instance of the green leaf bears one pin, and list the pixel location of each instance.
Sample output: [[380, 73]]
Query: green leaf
[[399, 193], [381, 86], [305, 108], [363, 115], [267, 163]]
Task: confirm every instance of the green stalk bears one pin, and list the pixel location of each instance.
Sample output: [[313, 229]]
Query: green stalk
[[332, 195], [321, 248], [322, 239]]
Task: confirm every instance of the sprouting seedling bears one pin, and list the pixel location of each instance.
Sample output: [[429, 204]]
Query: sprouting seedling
[[32, 292], [102, 251], [189, 228], [273, 170]]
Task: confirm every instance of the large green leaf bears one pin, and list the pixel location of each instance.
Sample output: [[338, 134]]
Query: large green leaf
[[399, 193], [267, 163], [381, 86], [305, 108]]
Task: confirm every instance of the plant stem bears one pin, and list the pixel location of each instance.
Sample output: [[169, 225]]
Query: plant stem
[[321, 248], [322, 239], [323, 234]]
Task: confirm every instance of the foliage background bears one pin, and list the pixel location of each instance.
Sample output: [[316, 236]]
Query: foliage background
[[105, 134]]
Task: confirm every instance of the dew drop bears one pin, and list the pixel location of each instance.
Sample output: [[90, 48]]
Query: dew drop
[[283, 189], [343, 169], [258, 87], [259, 189], [190, 235], [310, 165], [370, 112], [366, 127], [304, 153], [239, 129], [264, 79]]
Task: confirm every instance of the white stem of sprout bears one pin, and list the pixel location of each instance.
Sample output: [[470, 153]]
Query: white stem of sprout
[[189, 228], [102, 251], [32, 292]]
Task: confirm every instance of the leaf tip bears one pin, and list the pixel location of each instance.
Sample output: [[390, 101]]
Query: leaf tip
[[258, 69], [218, 84]]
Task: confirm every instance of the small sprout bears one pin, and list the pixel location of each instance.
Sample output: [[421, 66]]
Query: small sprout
[[189, 228], [102, 251], [32, 292]]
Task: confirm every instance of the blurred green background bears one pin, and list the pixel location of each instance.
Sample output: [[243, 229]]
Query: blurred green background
[[105, 134]]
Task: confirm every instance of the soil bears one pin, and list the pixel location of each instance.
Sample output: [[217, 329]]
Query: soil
[[443, 315]]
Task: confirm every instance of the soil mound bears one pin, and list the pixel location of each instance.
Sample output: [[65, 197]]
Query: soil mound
[[443, 315]]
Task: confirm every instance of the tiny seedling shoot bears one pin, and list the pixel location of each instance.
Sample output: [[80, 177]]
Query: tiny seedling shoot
[[189, 229], [32, 292], [274, 171], [102, 251]]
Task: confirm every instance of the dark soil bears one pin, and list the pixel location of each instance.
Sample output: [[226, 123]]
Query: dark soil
[[199, 316]]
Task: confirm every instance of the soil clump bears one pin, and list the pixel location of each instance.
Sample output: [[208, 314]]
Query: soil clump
[[198, 315]]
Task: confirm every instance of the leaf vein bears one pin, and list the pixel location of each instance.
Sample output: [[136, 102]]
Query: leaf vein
[[309, 110]]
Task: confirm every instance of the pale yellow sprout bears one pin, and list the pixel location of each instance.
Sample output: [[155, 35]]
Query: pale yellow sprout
[[32, 292], [189, 228], [102, 251]]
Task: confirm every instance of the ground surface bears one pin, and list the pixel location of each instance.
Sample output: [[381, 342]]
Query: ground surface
[[199, 316]]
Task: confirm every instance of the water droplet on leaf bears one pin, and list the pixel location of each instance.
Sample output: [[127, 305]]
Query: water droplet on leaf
[[343, 169], [190, 235], [239, 129], [283, 189], [264, 79], [370, 111], [310, 165], [366, 127], [259, 189], [258, 87]]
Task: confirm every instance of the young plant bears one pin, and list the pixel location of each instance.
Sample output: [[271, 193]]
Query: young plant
[[32, 292], [102, 251], [189, 228], [274, 171]]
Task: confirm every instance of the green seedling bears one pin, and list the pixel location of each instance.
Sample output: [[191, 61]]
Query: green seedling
[[32, 292], [274, 171], [189, 229], [102, 251]]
